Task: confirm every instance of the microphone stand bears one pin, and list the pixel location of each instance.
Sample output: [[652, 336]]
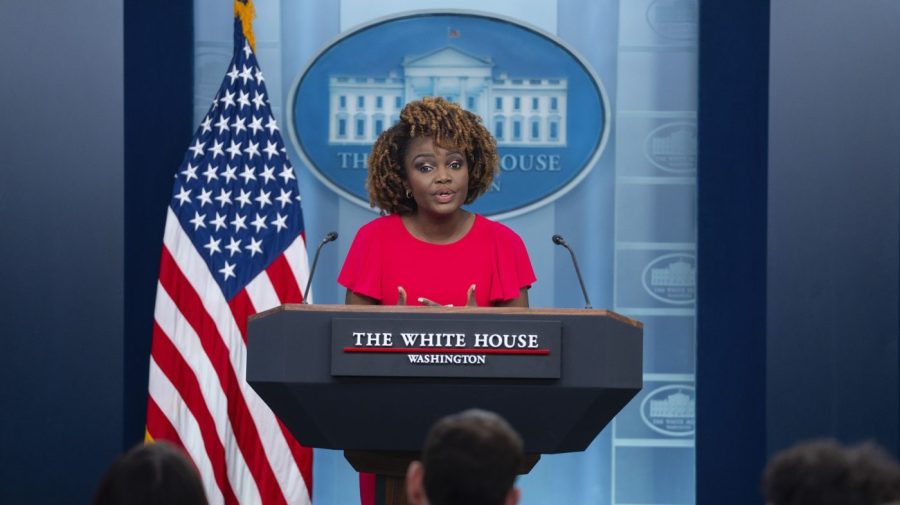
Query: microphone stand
[[329, 237], [558, 240]]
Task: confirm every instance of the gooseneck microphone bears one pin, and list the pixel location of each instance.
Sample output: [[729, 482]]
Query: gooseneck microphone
[[329, 237], [558, 240]]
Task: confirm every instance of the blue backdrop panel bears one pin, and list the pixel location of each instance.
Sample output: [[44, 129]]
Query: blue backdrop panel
[[669, 343], [657, 212], [672, 465]]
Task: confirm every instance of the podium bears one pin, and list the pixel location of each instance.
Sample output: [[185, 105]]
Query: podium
[[371, 380]]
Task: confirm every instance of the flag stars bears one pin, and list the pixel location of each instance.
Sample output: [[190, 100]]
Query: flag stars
[[233, 247], [228, 173], [228, 270], [248, 174], [234, 149], [198, 221], [284, 198], [245, 192], [224, 197], [256, 124], [271, 125], [244, 99], [227, 100], [287, 173], [183, 196], [233, 74], [238, 222], [279, 222], [246, 74], [222, 124], [206, 125], [243, 198], [259, 100], [259, 223], [197, 148], [213, 246], [255, 246], [263, 199], [219, 221], [252, 149], [210, 173], [271, 149], [238, 125], [267, 174], [204, 197], [216, 149], [190, 172]]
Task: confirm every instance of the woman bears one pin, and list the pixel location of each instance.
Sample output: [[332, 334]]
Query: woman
[[427, 249]]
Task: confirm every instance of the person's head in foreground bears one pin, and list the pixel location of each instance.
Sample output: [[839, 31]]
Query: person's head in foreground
[[470, 458], [824, 472], [435, 159], [152, 474]]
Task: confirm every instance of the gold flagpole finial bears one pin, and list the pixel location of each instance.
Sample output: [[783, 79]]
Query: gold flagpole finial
[[246, 12]]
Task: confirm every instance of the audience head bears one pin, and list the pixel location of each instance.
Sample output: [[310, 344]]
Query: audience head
[[152, 474], [824, 472], [470, 458]]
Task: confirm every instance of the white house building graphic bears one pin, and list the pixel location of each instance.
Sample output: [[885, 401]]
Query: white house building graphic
[[676, 405], [519, 111], [676, 274]]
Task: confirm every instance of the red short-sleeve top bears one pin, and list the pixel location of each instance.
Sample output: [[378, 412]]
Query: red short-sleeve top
[[385, 255]]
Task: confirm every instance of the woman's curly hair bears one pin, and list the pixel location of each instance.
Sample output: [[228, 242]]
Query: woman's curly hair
[[449, 125]]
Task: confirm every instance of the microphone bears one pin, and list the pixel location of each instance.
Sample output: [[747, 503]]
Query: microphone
[[329, 237], [558, 240]]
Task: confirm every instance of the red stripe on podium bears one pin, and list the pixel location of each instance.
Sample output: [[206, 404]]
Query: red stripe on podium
[[447, 350]]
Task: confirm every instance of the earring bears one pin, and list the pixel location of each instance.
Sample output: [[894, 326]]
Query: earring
[[408, 194]]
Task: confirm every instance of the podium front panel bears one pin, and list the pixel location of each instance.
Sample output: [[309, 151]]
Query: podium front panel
[[289, 364]]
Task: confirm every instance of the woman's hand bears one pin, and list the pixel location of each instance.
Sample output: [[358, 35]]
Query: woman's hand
[[470, 299]]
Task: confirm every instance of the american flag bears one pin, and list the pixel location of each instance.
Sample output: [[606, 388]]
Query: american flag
[[233, 246]]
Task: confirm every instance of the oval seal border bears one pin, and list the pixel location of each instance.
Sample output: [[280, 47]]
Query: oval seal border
[[662, 128], [685, 433], [582, 172], [659, 259]]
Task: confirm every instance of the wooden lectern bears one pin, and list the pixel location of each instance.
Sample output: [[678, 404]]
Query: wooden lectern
[[371, 380]]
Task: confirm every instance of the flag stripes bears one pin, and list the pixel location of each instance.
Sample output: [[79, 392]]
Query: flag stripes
[[204, 329], [177, 414], [161, 425], [298, 263], [283, 281], [261, 293]]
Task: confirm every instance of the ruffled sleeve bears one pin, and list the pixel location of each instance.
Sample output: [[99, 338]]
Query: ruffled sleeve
[[361, 272], [512, 266]]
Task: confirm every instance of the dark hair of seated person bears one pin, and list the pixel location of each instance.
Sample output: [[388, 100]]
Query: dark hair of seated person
[[471, 458], [152, 474], [825, 472]]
